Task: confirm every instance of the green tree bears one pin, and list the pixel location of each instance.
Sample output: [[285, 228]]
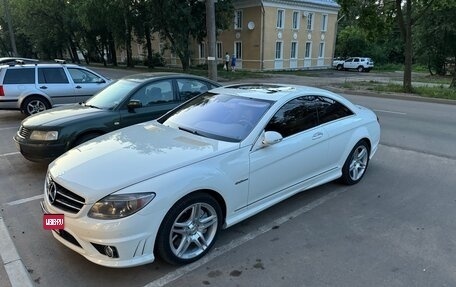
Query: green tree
[[436, 38], [407, 14], [50, 33], [180, 21]]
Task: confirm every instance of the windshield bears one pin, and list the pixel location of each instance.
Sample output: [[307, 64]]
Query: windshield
[[112, 95], [218, 116]]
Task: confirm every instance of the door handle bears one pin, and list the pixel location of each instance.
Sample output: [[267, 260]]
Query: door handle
[[43, 87], [317, 135], [78, 87]]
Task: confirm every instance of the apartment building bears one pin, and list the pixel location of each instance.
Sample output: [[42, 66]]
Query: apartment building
[[273, 35]]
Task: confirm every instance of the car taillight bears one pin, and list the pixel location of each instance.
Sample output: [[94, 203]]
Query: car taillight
[[2, 93]]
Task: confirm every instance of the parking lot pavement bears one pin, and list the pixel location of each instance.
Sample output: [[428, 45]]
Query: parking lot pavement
[[395, 228], [366, 236]]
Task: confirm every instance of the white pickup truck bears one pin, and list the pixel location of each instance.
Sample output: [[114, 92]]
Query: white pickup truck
[[361, 64]]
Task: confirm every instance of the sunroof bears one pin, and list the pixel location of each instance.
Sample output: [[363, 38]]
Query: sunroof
[[266, 88]]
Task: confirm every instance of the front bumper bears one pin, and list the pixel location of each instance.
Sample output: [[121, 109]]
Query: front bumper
[[39, 151], [133, 237]]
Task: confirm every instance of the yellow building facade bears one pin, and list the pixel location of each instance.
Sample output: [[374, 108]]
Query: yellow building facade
[[272, 35]]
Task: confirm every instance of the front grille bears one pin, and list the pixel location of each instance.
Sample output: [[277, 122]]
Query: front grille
[[68, 237], [24, 132], [64, 199]]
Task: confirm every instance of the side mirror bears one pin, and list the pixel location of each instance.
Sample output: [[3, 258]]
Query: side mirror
[[271, 137], [133, 104]]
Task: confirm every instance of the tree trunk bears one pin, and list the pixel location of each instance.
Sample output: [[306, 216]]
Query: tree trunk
[[405, 26], [147, 31], [453, 81], [74, 51], [112, 49], [128, 37]]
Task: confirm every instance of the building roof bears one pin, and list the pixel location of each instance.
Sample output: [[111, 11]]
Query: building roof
[[330, 5], [326, 3]]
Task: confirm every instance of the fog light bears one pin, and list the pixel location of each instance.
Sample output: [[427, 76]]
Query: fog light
[[109, 251]]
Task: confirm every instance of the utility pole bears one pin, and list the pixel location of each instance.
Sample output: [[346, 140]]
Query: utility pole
[[211, 39], [10, 28]]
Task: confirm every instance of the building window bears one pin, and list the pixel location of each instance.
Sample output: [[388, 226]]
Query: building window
[[324, 22], [278, 51], [238, 50], [293, 50], [295, 22], [280, 18], [308, 49], [161, 47], [321, 50], [219, 50], [202, 50], [238, 19], [309, 21]]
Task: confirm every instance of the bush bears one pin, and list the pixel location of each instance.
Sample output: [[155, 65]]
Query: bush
[[157, 61]]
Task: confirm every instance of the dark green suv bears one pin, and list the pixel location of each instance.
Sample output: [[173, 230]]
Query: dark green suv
[[130, 100]]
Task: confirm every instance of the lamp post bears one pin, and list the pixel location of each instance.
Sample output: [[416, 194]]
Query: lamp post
[[211, 39]]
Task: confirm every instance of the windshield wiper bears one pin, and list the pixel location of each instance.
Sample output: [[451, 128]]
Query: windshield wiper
[[90, 106], [195, 132]]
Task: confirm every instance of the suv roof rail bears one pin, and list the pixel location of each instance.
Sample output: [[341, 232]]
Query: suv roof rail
[[60, 61]]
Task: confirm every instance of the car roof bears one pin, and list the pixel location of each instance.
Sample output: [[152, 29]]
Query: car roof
[[274, 92], [7, 60], [49, 65], [143, 77]]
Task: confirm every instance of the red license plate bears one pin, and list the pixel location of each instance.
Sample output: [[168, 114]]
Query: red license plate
[[53, 221]]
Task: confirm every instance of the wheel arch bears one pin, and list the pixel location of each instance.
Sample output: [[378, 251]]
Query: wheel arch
[[361, 134], [77, 137], [23, 97], [216, 195]]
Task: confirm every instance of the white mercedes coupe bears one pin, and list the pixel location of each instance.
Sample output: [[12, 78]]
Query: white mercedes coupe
[[168, 186]]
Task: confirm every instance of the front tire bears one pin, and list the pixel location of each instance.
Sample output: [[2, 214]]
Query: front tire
[[189, 229], [360, 69], [356, 164], [340, 67], [34, 104]]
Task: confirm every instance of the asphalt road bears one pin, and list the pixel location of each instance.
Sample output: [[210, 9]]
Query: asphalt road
[[395, 228]]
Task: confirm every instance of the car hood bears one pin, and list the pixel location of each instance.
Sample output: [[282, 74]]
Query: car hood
[[60, 116], [122, 158]]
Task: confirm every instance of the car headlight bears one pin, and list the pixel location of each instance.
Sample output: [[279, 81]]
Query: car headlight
[[120, 205], [44, 135]]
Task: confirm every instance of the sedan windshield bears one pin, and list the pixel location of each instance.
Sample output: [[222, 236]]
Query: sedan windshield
[[218, 116], [112, 95]]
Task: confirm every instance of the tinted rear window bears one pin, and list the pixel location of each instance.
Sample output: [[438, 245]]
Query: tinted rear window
[[20, 76], [52, 76]]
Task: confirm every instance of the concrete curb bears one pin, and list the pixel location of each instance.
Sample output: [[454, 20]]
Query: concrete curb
[[17, 273]]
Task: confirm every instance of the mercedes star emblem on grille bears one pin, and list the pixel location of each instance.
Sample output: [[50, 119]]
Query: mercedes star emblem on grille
[[52, 191]]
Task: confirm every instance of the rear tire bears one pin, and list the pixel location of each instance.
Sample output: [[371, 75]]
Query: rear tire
[[360, 69], [355, 165], [189, 229], [35, 104]]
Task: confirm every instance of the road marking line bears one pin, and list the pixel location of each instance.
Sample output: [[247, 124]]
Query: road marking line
[[10, 153], [391, 112], [20, 201], [17, 273], [8, 128], [172, 276]]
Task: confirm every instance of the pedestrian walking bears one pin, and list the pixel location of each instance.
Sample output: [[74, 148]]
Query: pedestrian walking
[[227, 61], [233, 63]]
